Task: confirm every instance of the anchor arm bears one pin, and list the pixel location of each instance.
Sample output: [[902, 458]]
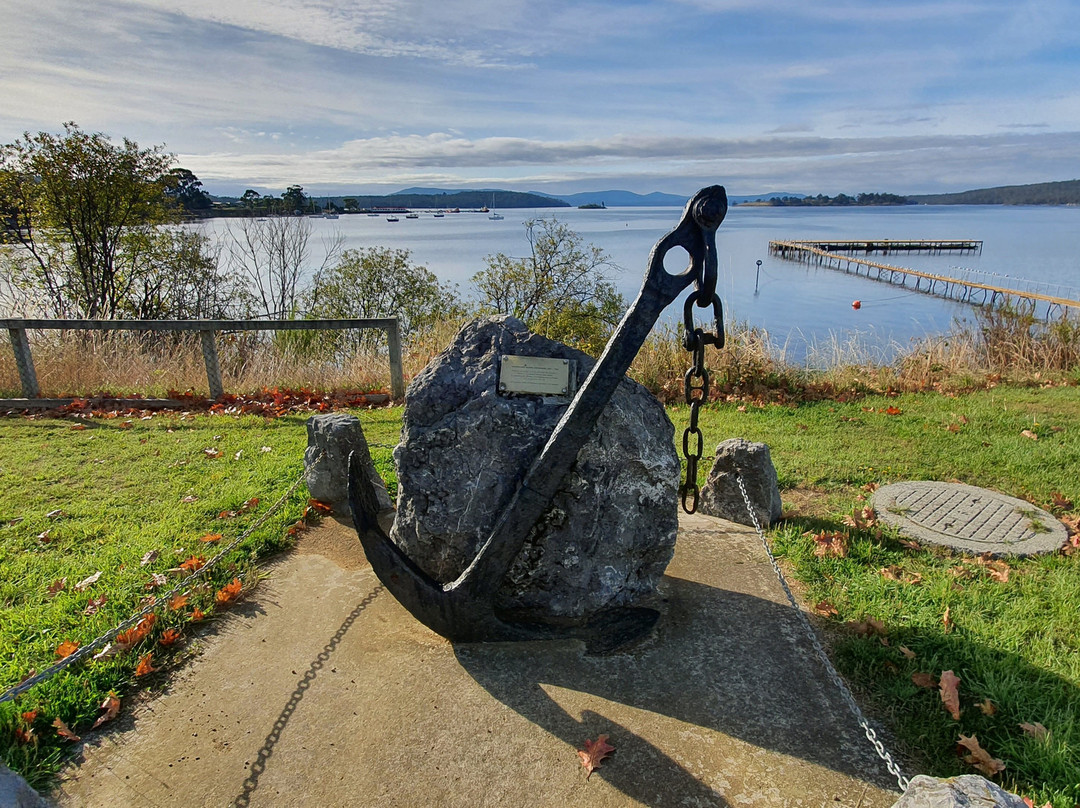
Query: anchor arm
[[464, 609]]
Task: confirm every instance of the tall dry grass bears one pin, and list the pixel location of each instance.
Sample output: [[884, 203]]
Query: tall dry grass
[[998, 346]]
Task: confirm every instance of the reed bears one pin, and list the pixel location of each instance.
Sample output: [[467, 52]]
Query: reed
[[997, 346]]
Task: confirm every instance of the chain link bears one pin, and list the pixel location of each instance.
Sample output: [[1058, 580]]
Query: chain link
[[695, 396], [84, 651], [871, 736]]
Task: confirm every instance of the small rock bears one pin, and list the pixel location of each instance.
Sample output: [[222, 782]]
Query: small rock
[[721, 495], [333, 437], [966, 791]]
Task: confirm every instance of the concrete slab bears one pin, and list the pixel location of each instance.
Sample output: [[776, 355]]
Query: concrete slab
[[969, 519], [321, 690]]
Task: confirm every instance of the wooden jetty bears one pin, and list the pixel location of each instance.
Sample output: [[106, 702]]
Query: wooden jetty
[[888, 245], [978, 294]]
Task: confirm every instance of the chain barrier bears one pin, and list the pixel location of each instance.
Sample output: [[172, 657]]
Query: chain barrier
[[694, 341], [186, 584], [871, 736]]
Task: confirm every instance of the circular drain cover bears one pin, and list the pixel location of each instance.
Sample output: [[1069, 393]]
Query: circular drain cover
[[967, 518]]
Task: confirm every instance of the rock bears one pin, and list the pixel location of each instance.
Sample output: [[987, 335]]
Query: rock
[[610, 531], [721, 496], [966, 791], [334, 436], [15, 792]]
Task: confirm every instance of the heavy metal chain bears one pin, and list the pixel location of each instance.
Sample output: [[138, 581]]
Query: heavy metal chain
[[871, 736], [695, 394], [696, 385]]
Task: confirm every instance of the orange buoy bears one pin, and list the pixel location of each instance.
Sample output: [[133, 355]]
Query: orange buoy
[[856, 304]]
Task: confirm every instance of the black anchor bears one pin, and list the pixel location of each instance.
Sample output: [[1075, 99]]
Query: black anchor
[[464, 610]]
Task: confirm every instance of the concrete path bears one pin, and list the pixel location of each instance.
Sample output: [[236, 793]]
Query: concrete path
[[321, 690]]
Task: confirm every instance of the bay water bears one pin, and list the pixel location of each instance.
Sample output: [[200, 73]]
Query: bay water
[[806, 310]]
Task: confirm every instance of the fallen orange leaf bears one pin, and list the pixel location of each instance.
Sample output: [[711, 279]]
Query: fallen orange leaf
[[826, 609], [979, 757], [178, 602], [66, 649], [64, 731], [320, 507], [950, 695], [145, 667], [1036, 730], [193, 564], [229, 593], [111, 706], [169, 637], [210, 538], [197, 615], [925, 679], [594, 753]]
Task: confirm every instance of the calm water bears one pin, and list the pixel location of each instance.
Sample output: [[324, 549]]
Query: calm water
[[804, 309]]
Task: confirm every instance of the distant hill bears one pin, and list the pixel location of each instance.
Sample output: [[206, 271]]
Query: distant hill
[[1041, 193], [744, 200], [434, 198], [624, 199]]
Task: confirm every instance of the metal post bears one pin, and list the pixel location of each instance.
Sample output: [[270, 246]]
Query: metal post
[[24, 362], [397, 375], [757, 275], [213, 369]]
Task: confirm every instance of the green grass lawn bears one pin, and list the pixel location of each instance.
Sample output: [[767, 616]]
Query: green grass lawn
[[78, 497], [1015, 644]]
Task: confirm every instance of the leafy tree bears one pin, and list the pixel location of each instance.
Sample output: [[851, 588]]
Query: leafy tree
[[77, 206], [352, 204], [561, 289], [182, 186], [382, 282], [294, 199]]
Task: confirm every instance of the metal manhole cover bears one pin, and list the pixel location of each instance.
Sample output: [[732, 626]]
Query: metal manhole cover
[[967, 518]]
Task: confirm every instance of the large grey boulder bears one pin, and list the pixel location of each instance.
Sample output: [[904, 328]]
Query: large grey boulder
[[721, 495], [331, 437], [610, 531], [966, 791]]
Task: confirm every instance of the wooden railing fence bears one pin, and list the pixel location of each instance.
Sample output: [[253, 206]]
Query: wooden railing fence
[[207, 329]]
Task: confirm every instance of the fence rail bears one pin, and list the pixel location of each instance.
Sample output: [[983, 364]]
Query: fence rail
[[207, 329]]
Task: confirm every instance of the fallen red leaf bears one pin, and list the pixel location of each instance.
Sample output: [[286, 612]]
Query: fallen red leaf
[[66, 649], [56, 587], [979, 757], [64, 731], [950, 695], [94, 604], [193, 564], [29, 716], [828, 544], [197, 615], [594, 753], [893, 410], [25, 736], [111, 706]]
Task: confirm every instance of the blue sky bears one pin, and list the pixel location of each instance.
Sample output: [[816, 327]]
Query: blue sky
[[813, 96]]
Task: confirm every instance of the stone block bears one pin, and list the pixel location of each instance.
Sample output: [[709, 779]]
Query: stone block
[[721, 495], [331, 438], [966, 791]]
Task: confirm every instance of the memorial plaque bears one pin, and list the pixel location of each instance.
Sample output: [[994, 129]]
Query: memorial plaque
[[536, 375]]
